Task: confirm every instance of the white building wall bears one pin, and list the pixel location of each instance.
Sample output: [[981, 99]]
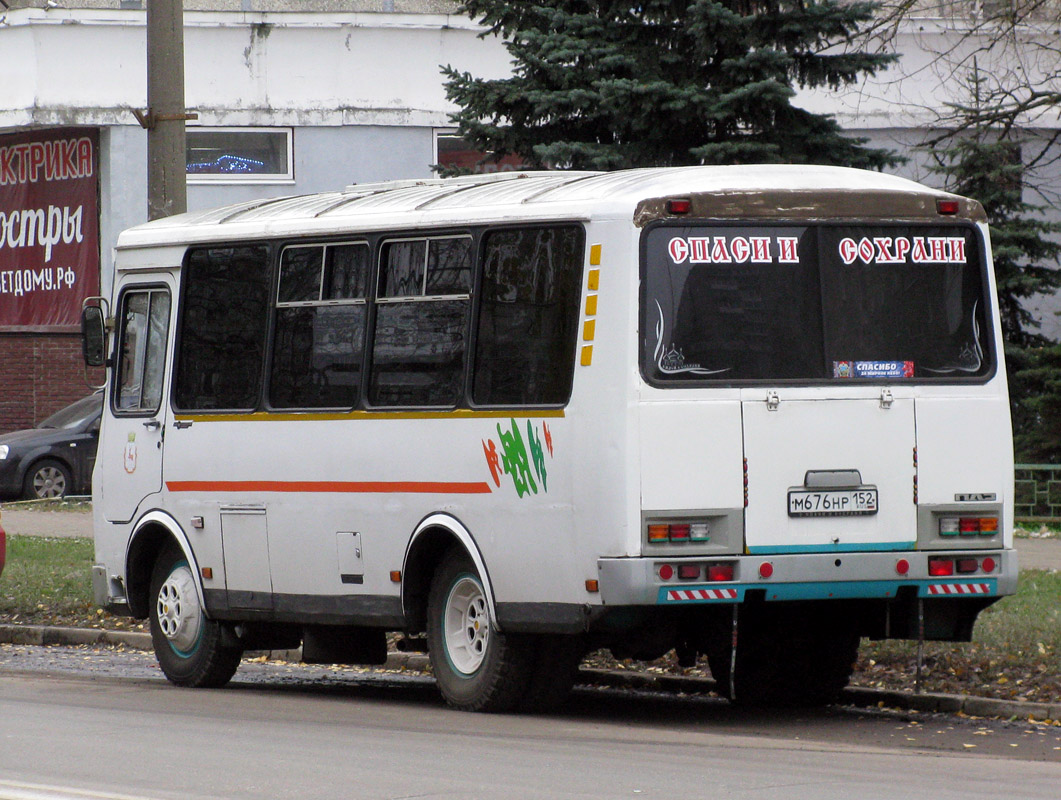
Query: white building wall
[[362, 91]]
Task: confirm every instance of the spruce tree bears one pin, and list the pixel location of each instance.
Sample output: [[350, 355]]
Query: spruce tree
[[984, 161], [607, 84], [986, 165]]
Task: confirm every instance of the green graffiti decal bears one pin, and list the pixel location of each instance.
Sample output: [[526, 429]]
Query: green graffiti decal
[[523, 461]]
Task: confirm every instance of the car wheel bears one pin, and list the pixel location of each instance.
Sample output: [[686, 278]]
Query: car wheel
[[477, 667], [47, 480], [191, 649]]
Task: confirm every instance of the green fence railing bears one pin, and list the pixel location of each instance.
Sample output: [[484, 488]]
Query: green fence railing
[[1038, 492]]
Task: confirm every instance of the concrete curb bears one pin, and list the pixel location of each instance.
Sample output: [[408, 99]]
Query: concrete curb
[[621, 679]]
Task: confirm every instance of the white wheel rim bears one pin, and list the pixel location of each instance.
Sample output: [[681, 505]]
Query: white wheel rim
[[49, 482], [466, 625], [180, 617]]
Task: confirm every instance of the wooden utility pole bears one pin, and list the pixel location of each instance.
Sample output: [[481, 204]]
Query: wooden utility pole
[[167, 182]]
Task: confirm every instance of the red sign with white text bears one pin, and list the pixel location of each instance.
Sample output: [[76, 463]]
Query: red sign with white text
[[49, 227]]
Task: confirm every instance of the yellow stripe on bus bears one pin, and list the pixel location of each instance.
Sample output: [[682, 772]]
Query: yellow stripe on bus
[[315, 416]]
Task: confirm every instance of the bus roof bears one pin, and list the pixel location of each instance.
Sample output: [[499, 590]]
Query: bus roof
[[793, 191]]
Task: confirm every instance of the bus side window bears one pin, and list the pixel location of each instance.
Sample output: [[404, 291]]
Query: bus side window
[[528, 316], [320, 326], [145, 325], [222, 334], [421, 322]]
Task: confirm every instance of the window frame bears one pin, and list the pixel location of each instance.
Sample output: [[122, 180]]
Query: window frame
[[375, 240], [321, 302], [579, 287], [991, 346], [287, 177], [272, 258], [117, 373], [474, 237]]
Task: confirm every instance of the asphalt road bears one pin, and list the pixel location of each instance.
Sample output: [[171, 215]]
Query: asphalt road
[[300, 732]]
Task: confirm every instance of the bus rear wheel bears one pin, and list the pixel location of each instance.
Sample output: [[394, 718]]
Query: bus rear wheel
[[477, 667], [191, 648]]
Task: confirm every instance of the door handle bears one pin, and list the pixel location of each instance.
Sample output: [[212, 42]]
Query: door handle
[[152, 424], [180, 424]]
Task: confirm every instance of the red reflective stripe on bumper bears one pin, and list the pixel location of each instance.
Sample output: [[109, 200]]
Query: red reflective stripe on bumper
[[702, 594], [959, 588]]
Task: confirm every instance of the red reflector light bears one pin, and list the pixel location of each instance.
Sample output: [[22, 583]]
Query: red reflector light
[[679, 206], [766, 569], [720, 572], [689, 572], [947, 206], [666, 572], [969, 525], [940, 567], [968, 565], [989, 564], [902, 566]]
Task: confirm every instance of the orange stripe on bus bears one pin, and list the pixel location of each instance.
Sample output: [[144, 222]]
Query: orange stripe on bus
[[368, 487]]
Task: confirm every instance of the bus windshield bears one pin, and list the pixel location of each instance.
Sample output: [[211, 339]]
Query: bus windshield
[[732, 303]]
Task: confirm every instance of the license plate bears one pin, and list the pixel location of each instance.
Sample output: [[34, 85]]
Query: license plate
[[832, 503]]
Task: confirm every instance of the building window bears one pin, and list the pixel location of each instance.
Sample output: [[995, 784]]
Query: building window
[[239, 155], [453, 153]]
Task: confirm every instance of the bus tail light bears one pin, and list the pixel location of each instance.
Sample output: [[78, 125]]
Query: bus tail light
[[940, 567], [967, 566], [720, 572], [679, 532], [968, 526], [947, 207], [699, 532], [658, 533]]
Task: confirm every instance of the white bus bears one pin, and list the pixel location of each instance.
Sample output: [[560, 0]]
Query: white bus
[[752, 414]]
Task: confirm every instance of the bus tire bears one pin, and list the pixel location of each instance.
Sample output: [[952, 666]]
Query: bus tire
[[191, 648], [477, 668]]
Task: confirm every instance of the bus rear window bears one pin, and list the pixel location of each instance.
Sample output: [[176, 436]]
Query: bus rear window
[[735, 303]]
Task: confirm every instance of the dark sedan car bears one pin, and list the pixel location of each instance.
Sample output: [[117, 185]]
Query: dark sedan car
[[55, 458]]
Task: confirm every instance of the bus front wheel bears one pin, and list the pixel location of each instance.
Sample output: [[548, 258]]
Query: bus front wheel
[[191, 649], [477, 667]]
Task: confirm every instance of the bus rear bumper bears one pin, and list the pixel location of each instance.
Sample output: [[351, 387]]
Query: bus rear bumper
[[863, 575]]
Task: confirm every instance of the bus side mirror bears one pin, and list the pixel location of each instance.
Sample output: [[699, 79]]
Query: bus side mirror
[[93, 336]]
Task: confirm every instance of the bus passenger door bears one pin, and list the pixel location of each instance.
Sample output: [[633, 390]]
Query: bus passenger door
[[134, 420]]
